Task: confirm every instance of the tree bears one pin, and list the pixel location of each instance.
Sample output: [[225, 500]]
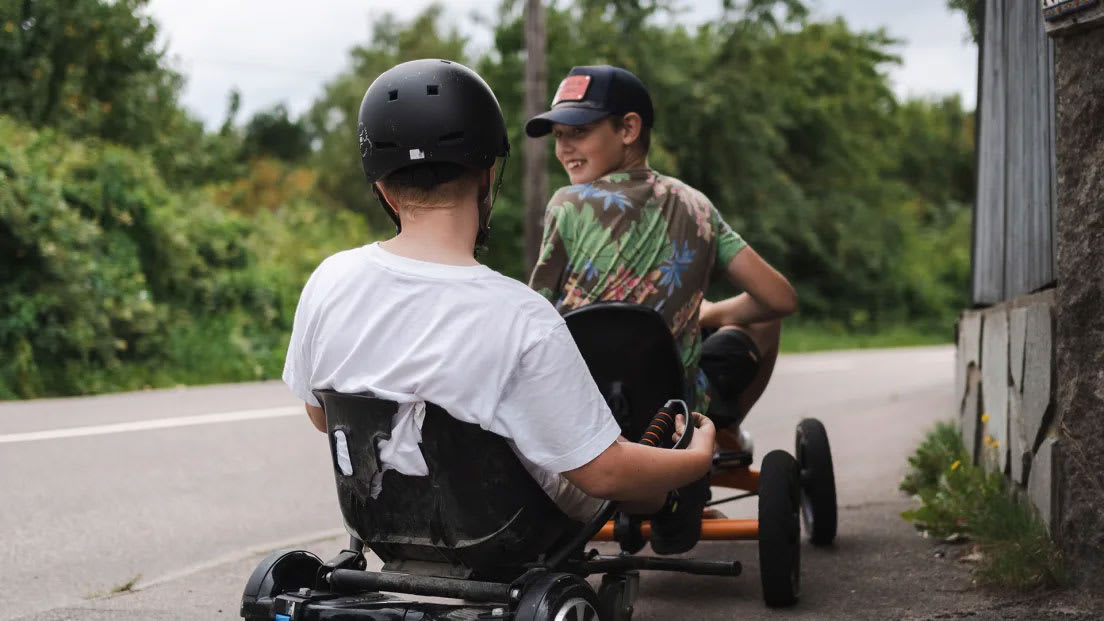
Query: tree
[[973, 10], [89, 67], [536, 156], [271, 132], [92, 68]]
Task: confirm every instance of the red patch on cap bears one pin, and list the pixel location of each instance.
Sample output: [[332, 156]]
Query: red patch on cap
[[573, 88]]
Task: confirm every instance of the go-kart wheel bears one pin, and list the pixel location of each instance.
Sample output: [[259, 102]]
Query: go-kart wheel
[[818, 482], [558, 597], [616, 596], [779, 529], [282, 571]]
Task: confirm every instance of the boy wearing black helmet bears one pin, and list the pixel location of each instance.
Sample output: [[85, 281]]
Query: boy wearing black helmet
[[625, 232], [417, 319]]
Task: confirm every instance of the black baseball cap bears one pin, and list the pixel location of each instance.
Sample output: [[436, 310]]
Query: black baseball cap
[[590, 93]]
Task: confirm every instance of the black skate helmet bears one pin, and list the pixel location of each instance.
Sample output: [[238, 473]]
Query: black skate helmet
[[430, 111]]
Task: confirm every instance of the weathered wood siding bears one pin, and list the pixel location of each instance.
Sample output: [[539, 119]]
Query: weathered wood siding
[[1013, 216]]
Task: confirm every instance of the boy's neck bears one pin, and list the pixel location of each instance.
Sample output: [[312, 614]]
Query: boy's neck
[[444, 236], [631, 162]]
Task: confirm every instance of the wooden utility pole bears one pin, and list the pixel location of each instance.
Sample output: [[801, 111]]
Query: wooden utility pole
[[536, 151]]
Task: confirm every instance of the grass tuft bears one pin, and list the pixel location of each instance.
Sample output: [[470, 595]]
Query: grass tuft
[[958, 498]]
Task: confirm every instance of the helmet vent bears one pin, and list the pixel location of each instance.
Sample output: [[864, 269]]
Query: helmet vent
[[392, 95], [452, 137], [431, 89]]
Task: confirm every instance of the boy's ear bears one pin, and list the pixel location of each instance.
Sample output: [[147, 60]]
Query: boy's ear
[[384, 200], [631, 125]]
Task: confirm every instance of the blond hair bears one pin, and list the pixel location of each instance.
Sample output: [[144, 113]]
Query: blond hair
[[430, 186]]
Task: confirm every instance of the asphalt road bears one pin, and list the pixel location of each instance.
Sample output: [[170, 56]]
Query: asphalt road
[[178, 494]]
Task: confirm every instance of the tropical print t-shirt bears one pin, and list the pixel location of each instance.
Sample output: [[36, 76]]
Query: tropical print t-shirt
[[636, 236]]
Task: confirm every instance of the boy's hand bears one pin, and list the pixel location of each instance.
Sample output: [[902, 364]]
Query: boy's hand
[[702, 427]]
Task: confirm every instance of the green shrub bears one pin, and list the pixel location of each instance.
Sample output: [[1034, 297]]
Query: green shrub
[[111, 281]]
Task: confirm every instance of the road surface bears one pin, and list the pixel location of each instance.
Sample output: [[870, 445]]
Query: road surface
[[157, 505]]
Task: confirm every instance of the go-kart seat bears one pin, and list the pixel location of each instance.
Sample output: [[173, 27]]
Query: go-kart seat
[[633, 358], [478, 514]]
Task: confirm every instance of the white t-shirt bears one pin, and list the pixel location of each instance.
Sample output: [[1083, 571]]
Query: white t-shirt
[[484, 347]]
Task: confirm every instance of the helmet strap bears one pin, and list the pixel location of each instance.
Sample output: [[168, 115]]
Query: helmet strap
[[484, 204], [485, 214]]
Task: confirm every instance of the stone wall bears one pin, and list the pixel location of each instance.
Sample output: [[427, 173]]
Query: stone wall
[[1079, 308], [1005, 386]]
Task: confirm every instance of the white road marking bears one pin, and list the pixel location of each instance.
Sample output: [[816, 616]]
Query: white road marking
[[158, 423]]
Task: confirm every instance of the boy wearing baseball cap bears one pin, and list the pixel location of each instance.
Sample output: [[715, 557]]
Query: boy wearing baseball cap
[[624, 232]]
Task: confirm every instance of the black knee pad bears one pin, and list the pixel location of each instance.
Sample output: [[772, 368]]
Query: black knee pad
[[730, 360]]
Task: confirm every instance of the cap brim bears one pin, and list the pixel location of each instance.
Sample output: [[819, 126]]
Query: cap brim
[[541, 124]]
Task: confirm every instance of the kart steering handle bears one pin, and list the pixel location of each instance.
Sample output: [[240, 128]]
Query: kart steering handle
[[663, 425]]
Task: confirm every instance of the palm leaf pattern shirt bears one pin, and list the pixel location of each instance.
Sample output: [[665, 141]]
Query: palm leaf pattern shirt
[[636, 236]]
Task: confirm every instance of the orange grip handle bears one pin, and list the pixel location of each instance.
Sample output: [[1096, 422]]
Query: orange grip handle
[[662, 426]]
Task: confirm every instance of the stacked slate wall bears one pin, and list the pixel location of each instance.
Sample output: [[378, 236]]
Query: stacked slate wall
[[1005, 386]]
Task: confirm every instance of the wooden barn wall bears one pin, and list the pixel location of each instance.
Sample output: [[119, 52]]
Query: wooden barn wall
[[1013, 224]]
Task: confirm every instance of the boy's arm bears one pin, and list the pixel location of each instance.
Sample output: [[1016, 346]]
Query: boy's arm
[[297, 361], [548, 273], [767, 294], [317, 417], [631, 472], [558, 420]]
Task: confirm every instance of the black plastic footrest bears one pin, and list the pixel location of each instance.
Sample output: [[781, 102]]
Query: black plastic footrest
[[732, 459]]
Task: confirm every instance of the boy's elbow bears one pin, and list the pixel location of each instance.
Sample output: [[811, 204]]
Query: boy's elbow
[[599, 477], [596, 482], [603, 488], [788, 304], [781, 303], [317, 417]]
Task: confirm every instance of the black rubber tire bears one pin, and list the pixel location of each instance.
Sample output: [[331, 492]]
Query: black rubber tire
[[283, 571], [779, 529], [614, 602], [558, 597], [818, 482]]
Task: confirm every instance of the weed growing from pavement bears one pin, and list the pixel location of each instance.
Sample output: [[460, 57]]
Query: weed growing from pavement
[[960, 499], [941, 448], [125, 587]]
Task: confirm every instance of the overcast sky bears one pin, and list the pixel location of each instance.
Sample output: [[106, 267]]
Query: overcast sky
[[281, 51]]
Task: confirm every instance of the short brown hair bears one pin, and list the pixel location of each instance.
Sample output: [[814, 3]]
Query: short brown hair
[[430, 186], [643, 142]]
